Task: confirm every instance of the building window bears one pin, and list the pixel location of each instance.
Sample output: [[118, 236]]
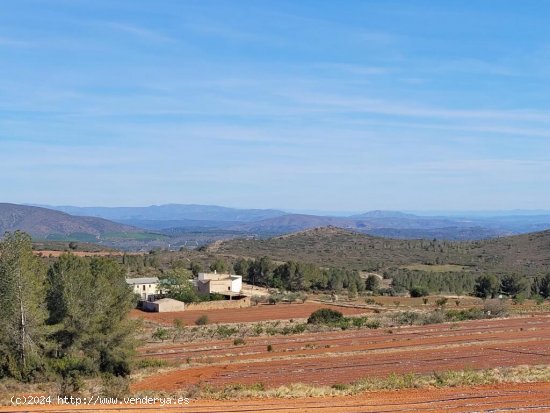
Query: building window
[[144, 287]]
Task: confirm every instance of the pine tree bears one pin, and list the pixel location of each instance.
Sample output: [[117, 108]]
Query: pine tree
[[89, 302], [22, 300]]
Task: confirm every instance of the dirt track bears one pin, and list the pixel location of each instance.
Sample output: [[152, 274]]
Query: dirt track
[[531, 397], [347, 356], [244, 315]]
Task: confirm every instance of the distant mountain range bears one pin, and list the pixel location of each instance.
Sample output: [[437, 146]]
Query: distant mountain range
[[171, 213], [175, 225]]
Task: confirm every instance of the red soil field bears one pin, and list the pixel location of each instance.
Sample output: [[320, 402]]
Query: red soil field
[[347, 356], [244, 315], [532, 397]]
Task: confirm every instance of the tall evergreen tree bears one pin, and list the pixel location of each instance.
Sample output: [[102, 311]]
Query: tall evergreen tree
[[22, 301], [89, 302]]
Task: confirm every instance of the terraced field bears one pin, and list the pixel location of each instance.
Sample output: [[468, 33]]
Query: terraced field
[[244, 315], [347, 356], [341, 357], [526, 397]]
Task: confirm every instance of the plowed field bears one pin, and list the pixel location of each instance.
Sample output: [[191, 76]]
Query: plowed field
[[347, 356], [528, 397], [244, 315]]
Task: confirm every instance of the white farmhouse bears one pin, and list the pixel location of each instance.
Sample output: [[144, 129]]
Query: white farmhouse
[[146, 287], [226, 284]]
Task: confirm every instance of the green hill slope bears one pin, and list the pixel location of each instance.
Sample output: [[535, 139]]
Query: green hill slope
[[529, 253]]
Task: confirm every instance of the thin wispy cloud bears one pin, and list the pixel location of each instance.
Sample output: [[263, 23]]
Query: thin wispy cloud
[[259, 104], [412, 109], [139, 32]]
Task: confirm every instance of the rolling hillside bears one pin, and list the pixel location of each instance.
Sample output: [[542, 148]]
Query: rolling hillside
[[42, 223], [185, 221], [528, 253], [378, 223]]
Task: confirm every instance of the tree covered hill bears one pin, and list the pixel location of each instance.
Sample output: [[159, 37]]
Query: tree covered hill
[[335, 247]]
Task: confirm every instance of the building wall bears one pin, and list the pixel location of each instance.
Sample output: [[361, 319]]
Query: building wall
[[219, 284], [145, 290], [150, 306], [217, 305], [237, 284], [164, 306], [220, 287], [203, 288]]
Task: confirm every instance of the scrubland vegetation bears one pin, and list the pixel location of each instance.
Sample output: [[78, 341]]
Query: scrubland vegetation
[[71, 325], [391, 382]]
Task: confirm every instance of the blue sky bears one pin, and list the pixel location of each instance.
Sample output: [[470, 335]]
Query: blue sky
[[317, 105]]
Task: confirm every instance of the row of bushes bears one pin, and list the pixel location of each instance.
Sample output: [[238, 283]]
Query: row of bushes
[[326, 318], [279, 297]]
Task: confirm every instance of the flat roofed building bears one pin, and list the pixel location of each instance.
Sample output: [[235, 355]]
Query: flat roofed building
[[226, 284], [164, 305]]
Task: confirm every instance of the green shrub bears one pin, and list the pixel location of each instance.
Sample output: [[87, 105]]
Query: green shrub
[[419, 292], [161, 334], [463, 315], [344, 323], [257, 299], [258, 329], [202, 320], [302, 297], [359, 322], [225, 331], [115, 386], [298, 328], [269, 348], [406, 317], [496, 307], [147, 363], [519, 298], [435, 317], [273, 299], [440, 302], [373, 324], [539, 299], [239, 342], [325, 316]]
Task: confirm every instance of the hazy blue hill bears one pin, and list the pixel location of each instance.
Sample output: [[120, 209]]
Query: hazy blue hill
[[179, 220], [383, 214], [173, 212], [183, 224], [293, 222]]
